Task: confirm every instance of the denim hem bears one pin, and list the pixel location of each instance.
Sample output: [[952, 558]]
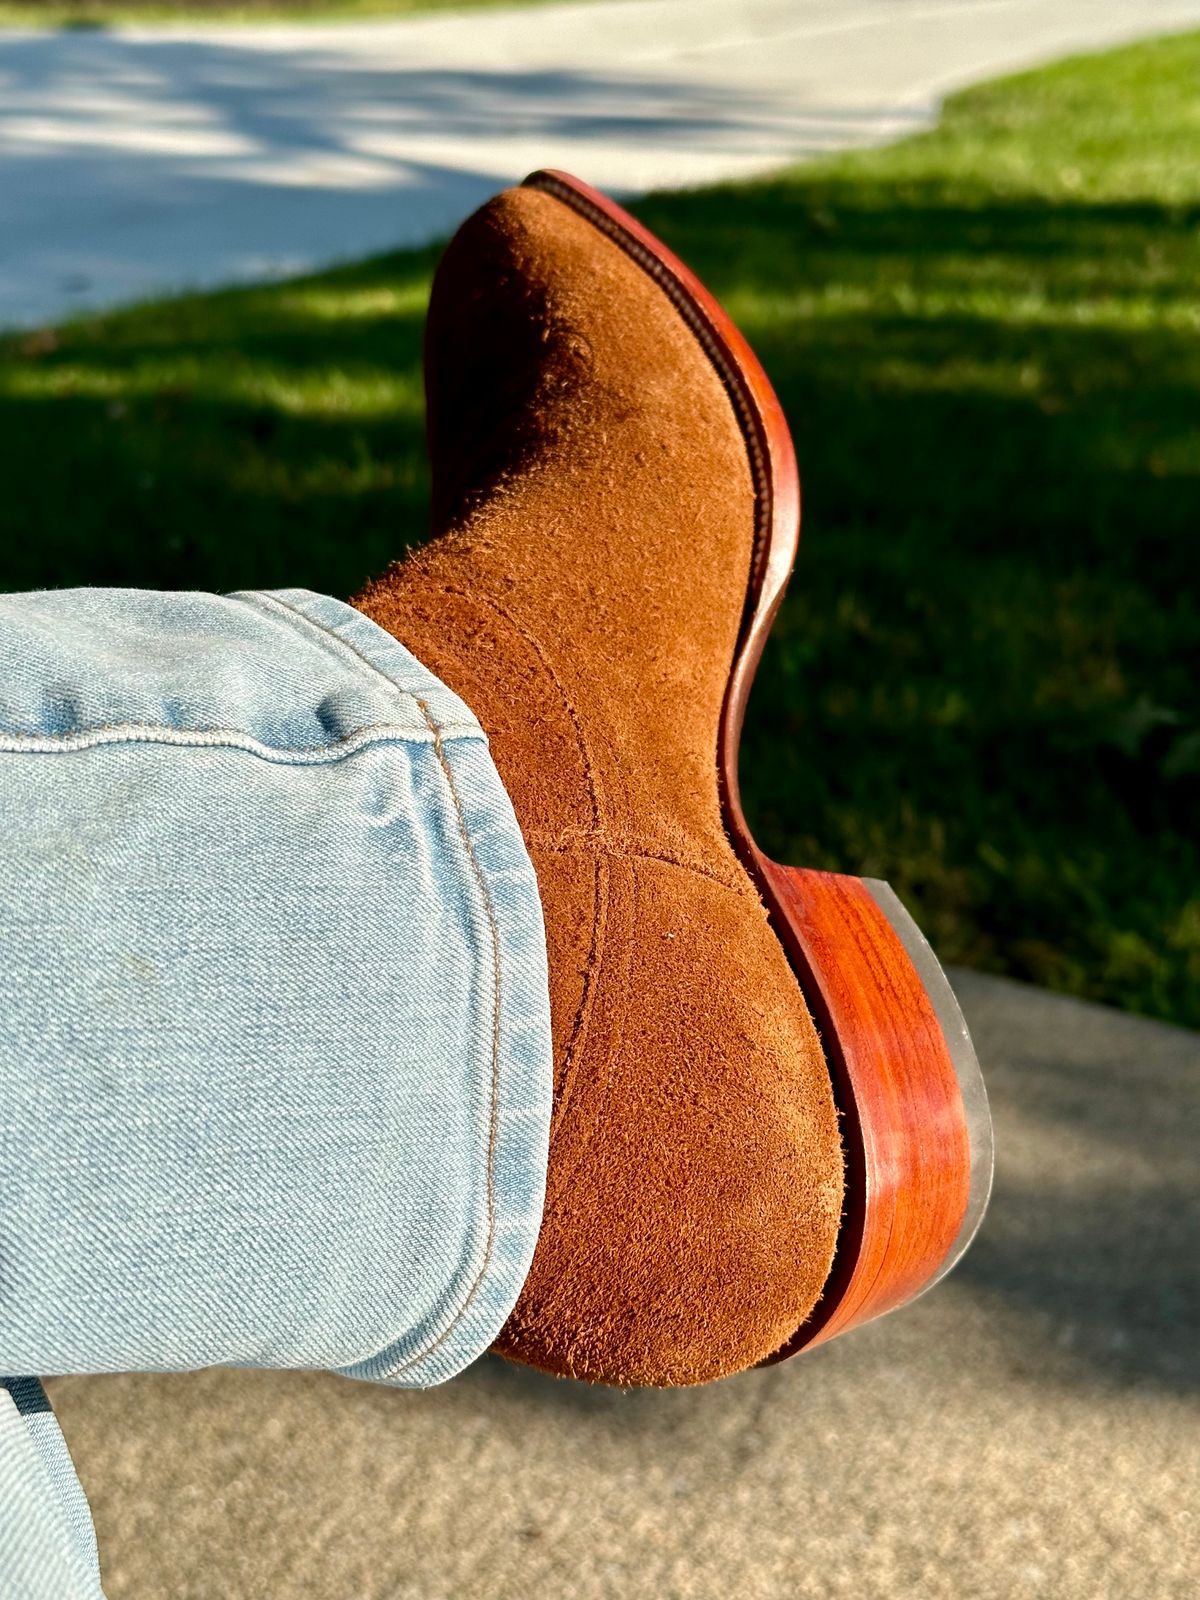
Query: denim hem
[[513, 965], [348, 633], [277, 1003], [47, 1542]]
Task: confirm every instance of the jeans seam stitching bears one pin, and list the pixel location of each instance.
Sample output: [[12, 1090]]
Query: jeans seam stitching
[[334, 641], [227, 738], [494, 935], [493, 1114]]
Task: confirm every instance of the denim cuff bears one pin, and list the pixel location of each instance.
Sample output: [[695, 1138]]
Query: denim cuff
[[275, 1064], [509, 1182]]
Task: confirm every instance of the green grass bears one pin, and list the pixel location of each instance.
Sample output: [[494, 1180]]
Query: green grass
[[984, 684]]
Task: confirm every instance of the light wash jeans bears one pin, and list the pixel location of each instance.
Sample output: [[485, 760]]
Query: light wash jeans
[[275, 1070]]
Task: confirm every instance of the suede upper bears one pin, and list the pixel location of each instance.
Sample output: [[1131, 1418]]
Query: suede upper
[[595, 512]]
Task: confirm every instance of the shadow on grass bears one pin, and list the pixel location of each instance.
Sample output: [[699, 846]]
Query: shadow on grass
[[982, 686]]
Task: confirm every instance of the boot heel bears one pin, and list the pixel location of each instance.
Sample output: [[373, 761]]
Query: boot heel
[[915, 1121]]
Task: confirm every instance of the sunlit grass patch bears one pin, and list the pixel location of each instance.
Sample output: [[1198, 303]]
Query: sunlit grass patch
[[983, 685]]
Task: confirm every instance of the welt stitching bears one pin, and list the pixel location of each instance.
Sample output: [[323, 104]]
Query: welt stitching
[[696, 321], [493, 1118]]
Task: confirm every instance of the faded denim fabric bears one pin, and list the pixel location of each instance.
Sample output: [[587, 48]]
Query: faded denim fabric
[[47, 1543], [275, 1068]]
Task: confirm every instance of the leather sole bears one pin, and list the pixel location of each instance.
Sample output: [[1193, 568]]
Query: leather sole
[[917, 1134]]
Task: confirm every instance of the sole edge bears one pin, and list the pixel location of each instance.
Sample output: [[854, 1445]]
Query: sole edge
[[963, 1098]]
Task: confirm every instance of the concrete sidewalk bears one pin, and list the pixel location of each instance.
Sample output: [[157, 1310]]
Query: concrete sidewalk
[[141, 161], [1031, 1428]]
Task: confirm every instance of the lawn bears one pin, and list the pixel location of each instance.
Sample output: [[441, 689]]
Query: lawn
[[984, 684]]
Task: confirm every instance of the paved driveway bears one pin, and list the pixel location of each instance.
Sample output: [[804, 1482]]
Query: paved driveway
[[142, 161]]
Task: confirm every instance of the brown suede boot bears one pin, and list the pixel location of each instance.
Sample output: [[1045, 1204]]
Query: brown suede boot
[[595, 595]]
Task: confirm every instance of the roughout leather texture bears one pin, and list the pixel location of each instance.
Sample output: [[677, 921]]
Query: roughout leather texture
[[595, 514]]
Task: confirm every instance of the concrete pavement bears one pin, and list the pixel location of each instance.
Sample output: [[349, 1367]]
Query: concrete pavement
[[1029, 1429], [141, 161]]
